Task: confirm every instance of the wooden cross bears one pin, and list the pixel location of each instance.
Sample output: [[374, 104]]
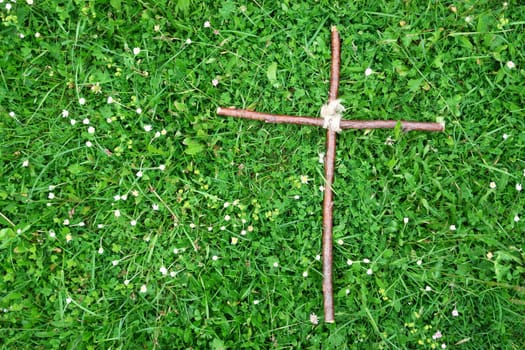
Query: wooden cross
[[331, 121]]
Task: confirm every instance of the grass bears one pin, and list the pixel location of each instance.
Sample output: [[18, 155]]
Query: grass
[[140, 219]]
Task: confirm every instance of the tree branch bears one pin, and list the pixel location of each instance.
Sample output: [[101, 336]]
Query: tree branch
[[345, 124], [328, 203]]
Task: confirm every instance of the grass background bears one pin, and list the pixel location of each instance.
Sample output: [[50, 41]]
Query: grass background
[[224, 230]]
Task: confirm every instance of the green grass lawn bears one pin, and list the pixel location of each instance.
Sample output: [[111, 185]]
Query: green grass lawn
[[133, 217]]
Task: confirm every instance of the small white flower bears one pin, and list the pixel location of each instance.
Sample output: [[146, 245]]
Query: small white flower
[[68, 300], [405, 220], [492, 185], [173, 274], [321, 158], [114, 262], [110, 100], [222, 228], [516, 218], [82, 101], [157, 134], [443, 346], [428, 289], [296, 196], [91, 130], [37, 35], [139, 173], [210, 228], [12, 114], [136, 50], [318, 257], [349, 262], [133, 222], [21, 35], [163, 270], [155, 206], [138, 110], [147, 128], [321, 188], [227, 218], [215, 258], [215, 82], [347, 291], [255, 302], [368, 71], [52, 234], [116, 197], [518, 187], [511, 65], [188, 41], [126, 282], [305, 274], [369, 272], [101, 250], [366, 261], [124, 197], [66, 222], [117, 213], [143, 288], [192, 225], [276, 264], [505, 136], [51, 195], [455, 312], [175, 251], [340, 242], [419, 262], [162, 167], [25, 163], [243, 232], [452, 227], [73, 121], [85, 121], [469, 19], [8, 6], [100, 226], [207, 24], [226, 204], [314, 319], [69, 238], [304, 179], [29, 2], [65, 113], [81, 224], [234, 240]]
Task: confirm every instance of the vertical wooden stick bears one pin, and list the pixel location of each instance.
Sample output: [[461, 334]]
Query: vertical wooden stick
[[328, 194]]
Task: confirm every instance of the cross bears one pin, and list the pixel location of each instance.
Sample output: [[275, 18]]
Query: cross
[[331, 120]]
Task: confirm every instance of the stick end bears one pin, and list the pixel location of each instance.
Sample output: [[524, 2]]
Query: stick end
[[334, 28], [219, 110], [441, 121]]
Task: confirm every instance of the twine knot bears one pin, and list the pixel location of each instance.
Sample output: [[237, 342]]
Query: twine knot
[[332, 113]]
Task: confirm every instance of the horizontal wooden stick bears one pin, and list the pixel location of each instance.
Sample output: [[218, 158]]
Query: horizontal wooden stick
[[345, 124]]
